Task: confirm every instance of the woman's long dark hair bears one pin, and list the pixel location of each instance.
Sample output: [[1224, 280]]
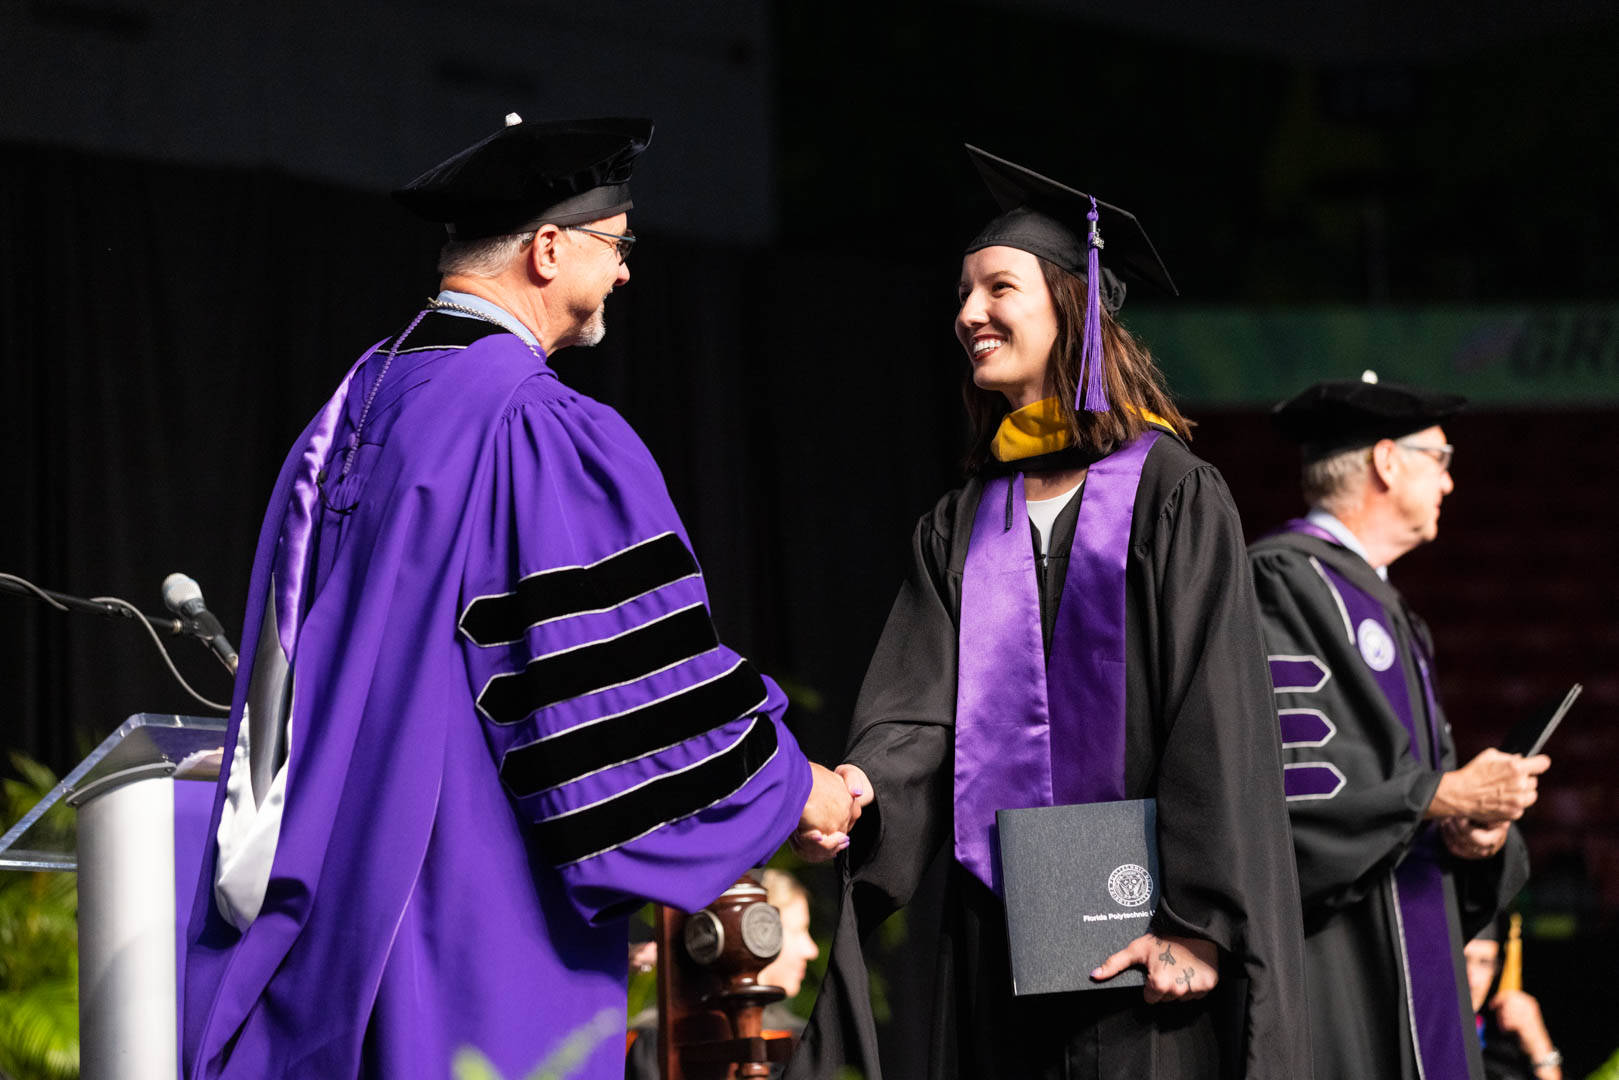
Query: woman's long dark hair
[[1134, 383]]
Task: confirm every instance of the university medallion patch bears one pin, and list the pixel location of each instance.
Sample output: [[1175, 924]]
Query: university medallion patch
[[1376, 647]]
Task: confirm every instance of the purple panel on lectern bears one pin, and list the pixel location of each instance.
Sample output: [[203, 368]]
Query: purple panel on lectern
[[193, 805]]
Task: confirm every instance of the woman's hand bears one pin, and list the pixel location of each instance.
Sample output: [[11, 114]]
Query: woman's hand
[[1178, 968], [1518, 1014], [859, 786]]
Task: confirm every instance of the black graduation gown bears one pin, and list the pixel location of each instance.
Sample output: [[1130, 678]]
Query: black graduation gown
[[1348, 846], [1201, 738]]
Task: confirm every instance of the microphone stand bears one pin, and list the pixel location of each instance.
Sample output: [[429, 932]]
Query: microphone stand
[[166, 624], [113, 608]]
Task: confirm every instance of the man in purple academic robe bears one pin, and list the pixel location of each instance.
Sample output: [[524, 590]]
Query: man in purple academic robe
[[483, 714], [1402, 855]]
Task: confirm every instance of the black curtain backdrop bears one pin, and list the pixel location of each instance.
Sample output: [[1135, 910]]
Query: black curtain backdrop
[[162, 331]]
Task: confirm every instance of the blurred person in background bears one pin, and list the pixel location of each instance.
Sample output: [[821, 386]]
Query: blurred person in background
[[788, 896], [1511, 1030]]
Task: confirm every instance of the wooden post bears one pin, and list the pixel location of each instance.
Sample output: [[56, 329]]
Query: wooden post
[[710, 1001]]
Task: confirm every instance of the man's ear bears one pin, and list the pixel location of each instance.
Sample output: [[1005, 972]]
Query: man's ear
[[542, 252], [1385, 461]]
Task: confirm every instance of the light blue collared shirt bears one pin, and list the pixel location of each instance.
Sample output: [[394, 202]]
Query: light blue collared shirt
[[1321, 519], [495, 312]]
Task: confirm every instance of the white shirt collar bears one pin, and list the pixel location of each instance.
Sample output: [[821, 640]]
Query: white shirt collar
[[1321, 519]]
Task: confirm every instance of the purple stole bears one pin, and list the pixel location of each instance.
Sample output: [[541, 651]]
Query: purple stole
[[1419, 884], [1027, 735]]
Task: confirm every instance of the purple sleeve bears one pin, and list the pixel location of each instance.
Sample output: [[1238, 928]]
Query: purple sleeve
[[650, 760]]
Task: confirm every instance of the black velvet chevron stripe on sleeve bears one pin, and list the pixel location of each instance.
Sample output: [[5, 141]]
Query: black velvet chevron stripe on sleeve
[[568, 838], [658, 725], [575, 590], [546, 680]]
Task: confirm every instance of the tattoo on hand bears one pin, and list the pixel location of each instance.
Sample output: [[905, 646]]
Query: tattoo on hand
[[1167, 957], [1186, 979]]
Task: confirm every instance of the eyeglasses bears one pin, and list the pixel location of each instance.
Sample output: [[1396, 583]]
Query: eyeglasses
[[1442, 454], [622, 242]]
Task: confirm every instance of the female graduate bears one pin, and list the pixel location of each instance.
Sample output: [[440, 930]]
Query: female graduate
[[1078, 626]]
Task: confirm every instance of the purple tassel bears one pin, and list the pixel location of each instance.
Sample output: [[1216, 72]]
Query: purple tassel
[[1091, 354]]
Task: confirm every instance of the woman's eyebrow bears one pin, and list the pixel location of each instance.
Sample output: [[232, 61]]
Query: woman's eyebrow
[[991, 276]]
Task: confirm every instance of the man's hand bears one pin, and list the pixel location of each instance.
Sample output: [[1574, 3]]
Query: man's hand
[[1178, 968], [829, 814], [1467, 839], [1493, 787]]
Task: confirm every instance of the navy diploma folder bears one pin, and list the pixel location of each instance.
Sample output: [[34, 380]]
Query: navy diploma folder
[[1080, 882]]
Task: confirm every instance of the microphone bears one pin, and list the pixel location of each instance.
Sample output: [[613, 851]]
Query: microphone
[[183, 596]]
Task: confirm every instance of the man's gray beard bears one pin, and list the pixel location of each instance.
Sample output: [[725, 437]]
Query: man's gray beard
[[595, 327]]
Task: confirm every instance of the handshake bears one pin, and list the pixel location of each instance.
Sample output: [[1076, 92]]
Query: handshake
[[834, 805]]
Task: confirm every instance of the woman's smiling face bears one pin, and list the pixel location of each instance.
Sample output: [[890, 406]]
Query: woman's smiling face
[[1007, 323]]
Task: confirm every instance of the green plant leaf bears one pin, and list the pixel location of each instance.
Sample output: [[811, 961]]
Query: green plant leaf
[[39, 959], [469, 1064], [642, 993], [39, 1030], [566, 1059], [1608, 1070]]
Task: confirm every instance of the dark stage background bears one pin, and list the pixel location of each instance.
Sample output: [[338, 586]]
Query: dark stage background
[[168, 323]]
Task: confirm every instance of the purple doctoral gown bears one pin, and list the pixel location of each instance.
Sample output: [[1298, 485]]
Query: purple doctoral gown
[[508, 721]]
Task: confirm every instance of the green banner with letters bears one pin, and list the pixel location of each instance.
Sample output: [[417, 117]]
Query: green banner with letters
[[1505, 357]]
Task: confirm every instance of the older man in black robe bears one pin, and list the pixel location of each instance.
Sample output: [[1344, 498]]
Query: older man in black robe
[[1402, 856]]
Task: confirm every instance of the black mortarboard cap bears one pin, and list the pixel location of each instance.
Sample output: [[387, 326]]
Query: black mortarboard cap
[[1048, 219], [565, 172], [1346, 414]]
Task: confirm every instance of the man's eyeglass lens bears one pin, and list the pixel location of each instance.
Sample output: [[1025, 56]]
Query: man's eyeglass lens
[[1441, 454], [622, 242]]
